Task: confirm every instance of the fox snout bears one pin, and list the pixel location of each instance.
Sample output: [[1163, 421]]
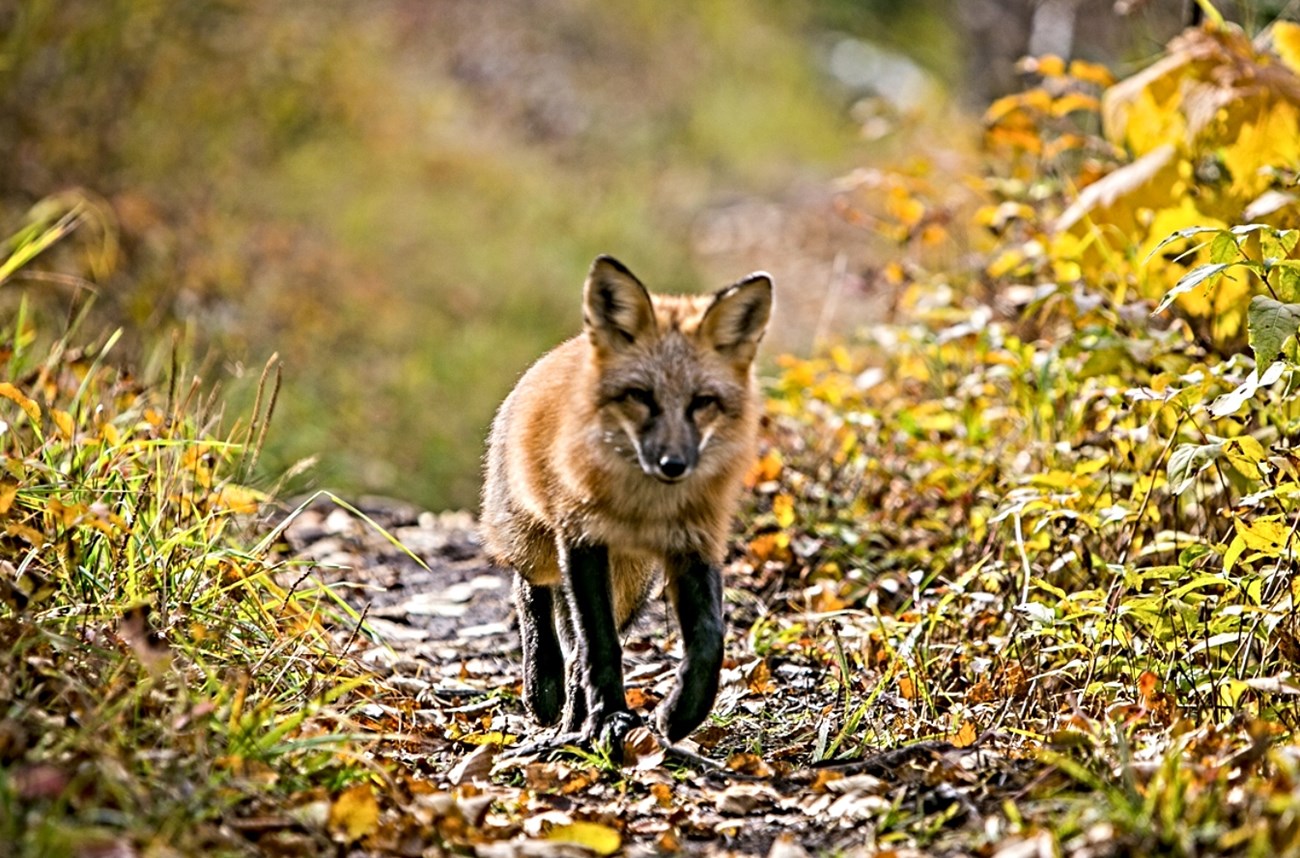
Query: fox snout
[[668, 464]]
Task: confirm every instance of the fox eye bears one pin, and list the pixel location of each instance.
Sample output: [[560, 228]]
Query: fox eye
[[703, 401], [639, 395]]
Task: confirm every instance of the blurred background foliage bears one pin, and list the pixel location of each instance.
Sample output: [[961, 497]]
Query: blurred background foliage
[[401, 197]]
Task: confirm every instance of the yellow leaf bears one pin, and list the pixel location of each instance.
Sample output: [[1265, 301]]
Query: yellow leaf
[[1050, 65], [1007, 261], [933, 235], [8, 491], [110, 434], [491, 737], [1091, 73], [1091, 466], [22, 531], [1073, 101], [354, 814], [1265, 535], [1245, 453], [8, 391], [1056, 479], [894, 274], [1286, 41], [240, 499], [905, 208], [600, 839], [783, 509], [1259, 132], [63, 420], [1033, 100], [770, 546]]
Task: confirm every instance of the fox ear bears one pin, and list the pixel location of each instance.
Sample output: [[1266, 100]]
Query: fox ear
[[616, 308], [737, 318]]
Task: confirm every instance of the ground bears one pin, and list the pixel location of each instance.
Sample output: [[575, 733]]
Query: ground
[[445, 642]]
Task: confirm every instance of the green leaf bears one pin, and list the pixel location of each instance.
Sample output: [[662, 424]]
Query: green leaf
[[1187, 232], [1270, 323], [1191, 554], [1191, 280], [1187, 461], [1277, 244], [1286, 282], [1224, 248]]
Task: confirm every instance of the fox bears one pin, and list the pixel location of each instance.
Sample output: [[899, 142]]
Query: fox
[[617, 461]]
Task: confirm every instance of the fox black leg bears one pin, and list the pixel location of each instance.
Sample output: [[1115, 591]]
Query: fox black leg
[[695, 590], [595, 671], [543, 658]]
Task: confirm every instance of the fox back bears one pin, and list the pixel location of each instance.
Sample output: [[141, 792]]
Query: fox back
[[634, 435]]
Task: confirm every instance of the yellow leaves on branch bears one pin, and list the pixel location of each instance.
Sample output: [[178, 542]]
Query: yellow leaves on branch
[[1208, 127], [1212, 89]]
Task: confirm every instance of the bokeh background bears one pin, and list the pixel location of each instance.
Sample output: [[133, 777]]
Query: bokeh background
[[401, 197]]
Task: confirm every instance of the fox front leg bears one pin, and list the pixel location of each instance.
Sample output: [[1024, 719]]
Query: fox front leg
[[594, 675], [543, 658], [695, 590]]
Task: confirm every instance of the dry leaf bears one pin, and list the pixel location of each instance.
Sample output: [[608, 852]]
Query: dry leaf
[[641, 750], [475, 766], [966, 736], [354, 814], [749, 764]]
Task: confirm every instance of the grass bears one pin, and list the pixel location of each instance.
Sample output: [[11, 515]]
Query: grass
[[158, 672]]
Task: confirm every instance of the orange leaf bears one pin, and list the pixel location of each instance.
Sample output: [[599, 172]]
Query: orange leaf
[[966, 736], [765, 470], [1147, 684]]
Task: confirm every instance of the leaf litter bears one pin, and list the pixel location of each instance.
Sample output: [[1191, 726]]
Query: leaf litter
[[746, 783]]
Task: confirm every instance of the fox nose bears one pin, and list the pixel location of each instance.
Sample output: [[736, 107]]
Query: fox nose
[[672, 466]]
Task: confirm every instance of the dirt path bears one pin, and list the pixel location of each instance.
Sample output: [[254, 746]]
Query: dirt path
[[450, 654]]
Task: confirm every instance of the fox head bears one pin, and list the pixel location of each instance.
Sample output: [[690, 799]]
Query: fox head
[[674, 381]]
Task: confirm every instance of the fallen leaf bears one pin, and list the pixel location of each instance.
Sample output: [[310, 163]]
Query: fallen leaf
[[749, 764], [742, 799], [641, 750], [966, 736], [599, 838], [354, 814], [475, 766]]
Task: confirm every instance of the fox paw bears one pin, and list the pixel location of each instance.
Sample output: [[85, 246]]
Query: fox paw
[[613, 729], [605, 734]]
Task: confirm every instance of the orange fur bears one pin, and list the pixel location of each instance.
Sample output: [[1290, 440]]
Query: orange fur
[[562, 461]]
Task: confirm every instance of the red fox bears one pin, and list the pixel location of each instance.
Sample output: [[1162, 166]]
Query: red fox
[[619, 456]]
